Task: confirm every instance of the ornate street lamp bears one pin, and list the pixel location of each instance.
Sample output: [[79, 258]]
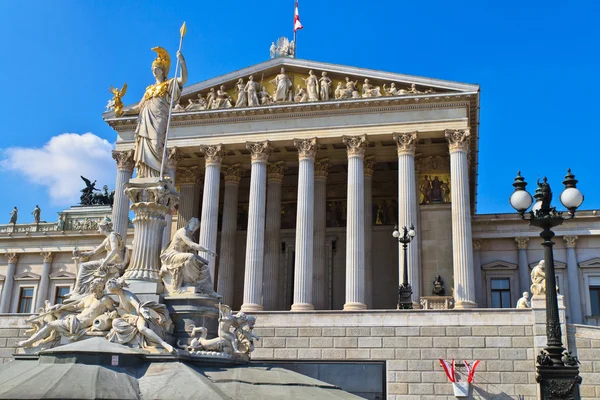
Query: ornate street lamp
[[404, 290], [557, 370]]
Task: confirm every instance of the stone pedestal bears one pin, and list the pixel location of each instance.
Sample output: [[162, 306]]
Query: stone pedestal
[[196, 310], [152, 200]]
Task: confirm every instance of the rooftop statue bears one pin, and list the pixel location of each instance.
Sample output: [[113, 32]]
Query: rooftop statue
[[36, 214], [181, 267], [14, 214], [116, 103], [284, 48], [87, 192], [153, 112]]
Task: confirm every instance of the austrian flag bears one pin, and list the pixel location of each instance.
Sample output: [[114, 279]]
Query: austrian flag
[[297, 23]]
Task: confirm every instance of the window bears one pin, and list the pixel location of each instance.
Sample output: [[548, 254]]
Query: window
[[25, 300], [61, 294], [500, 292], [595, 300]]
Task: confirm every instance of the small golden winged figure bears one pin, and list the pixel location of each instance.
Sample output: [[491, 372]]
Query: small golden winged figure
[[117, 103]]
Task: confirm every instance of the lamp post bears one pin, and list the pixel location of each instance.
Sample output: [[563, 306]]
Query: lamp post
[[557, 370], [404, 290]]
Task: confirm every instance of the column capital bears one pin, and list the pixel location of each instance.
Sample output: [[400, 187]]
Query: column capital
[[12, 257], [370, 164], [276, 171], [213, 154], [232, 173], [477, 243], [259, 151], [570, 241], [322, 168], [458, 139], [174, 155], [356, 145], [307, 148], [48, 256], [124, 159], [522, 242], [188, 176], [406, 142]]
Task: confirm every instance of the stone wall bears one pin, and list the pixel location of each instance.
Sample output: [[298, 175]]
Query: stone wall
[[12, 330], [584, 341]]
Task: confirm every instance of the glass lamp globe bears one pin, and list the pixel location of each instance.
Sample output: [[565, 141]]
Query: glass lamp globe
[[521, 200], [571, 198], [396, 234], [412, 233], [537, 206]]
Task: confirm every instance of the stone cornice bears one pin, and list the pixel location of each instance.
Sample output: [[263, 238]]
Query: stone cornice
[[213, 154], [232, 173], [307, 148]]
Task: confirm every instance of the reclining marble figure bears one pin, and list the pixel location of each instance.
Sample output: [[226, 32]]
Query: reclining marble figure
[[182, 268]]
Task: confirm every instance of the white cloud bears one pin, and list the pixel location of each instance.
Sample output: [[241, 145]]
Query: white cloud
[[59, 163]]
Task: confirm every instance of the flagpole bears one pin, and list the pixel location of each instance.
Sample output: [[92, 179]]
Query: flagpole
[[295, 39], [182, 31]]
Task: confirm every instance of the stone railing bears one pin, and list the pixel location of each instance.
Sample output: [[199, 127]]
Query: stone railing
[[593, 320], [28, 228]]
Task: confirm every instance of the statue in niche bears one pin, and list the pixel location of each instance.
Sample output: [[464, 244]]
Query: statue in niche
[[36, 214], [141, 323], [283, 87], [240, 89], [438, 286], [524, 302], [312, 86], [112, 265], [14, 214], [325, 86], [538, 279], [265, 97], [252, 89], [73, 319], [196, 105], [301, 96], [210, 99], [153, 112], [182, 268], [223, 100]]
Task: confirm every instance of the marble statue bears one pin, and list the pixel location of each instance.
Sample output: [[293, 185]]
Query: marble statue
[[112, 265], [339, 91], [223, 99], [538, 279], [283, 48], [87, 193], [36, 214], [252, 89], [154, 111], [178, 108], [283, 87], [240, 89], [325, 86], [60, 225], [73, 319], [196, 105], [438, 286], [349, 91], [301, 95], [181, 267], [273, 50], [368, 90], [144, 323], [243, 333], [14, 214], [210, 99], [312, 86], [265, 97], [392, 91], [116, 103], [524, 302]]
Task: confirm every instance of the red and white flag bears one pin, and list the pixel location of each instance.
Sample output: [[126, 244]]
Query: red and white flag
[[297, 23], [449, 369], [471, 370]]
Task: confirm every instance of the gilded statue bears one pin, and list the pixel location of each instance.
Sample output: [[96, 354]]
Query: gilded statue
[[117, 100], [154, 114]]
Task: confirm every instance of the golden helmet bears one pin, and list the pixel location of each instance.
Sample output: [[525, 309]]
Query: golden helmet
[[163, 60]]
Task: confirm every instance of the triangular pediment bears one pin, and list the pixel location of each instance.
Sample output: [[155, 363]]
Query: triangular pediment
[[557, 264], [498, 265], [592, 263], [27, 276], [62, 275]]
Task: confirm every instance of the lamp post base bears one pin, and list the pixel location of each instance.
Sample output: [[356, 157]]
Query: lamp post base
[[558, 382], [405, 297]]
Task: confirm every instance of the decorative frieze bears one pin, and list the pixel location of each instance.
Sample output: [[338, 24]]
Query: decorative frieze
[[432, 163], [213, 154], [232, 173], [48, 256], [124, 159], [307, 148], [12, 257], [406, 142], [458, 140], [189, 176], [322, 168], [276, 171], [259, 151], [356, 145], [570, 241], [370, 164], [522, 242]]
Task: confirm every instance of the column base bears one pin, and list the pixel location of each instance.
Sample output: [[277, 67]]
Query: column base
[[354, 306], [463, 304], [250, 307], [302, 307]]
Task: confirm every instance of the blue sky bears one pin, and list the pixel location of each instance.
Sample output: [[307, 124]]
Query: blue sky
[[536, 63]]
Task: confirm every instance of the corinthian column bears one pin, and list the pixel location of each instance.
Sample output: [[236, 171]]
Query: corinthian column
[[523, 264], [120, 211], [462, 242], [275, 173], [575, 305], [320, 275], [407, 208], [303, 265], [174, 155], [213, 156], [42, 293], [369, 168], [8, 282], [355, 220], [255, 245], [232, 174], [188, 180]]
